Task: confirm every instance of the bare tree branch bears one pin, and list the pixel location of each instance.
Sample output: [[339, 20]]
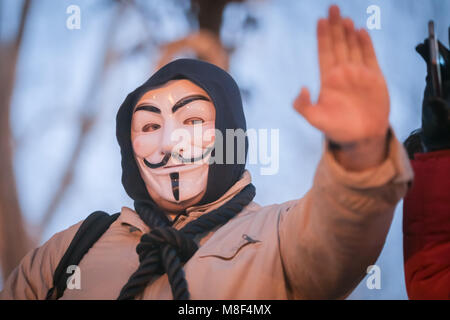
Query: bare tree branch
[[89, 116], [14, 240]]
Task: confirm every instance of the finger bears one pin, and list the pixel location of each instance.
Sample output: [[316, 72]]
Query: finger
[[325, 46], [304, 106], [303, 101], [338, 35], [367, 49], [355, 54]]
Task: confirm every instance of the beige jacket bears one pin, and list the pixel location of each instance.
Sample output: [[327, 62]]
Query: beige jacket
[[316, 247]]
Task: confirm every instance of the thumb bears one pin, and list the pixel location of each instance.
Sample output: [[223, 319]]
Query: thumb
[[304, 106], [423, 50], [303, 102]]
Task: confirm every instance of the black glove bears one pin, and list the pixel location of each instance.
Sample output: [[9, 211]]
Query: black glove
[[435, 134]]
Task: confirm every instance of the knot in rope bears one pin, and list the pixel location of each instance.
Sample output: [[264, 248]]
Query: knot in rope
[[159, 238]]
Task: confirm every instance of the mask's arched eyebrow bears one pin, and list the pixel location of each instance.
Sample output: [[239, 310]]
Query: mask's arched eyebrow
[[148, 108], [184, 101]]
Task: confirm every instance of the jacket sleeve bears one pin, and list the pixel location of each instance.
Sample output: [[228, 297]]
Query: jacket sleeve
[[33, 277], [426, 228], [332, 235]]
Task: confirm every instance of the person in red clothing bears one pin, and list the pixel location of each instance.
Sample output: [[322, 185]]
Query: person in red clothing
[[426, 207]]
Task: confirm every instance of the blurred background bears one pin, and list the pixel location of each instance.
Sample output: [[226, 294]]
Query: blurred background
[[66, 66]]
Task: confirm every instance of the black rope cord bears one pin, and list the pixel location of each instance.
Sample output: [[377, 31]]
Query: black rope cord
[[165, 249]]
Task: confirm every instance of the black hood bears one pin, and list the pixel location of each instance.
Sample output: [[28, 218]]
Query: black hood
[[226, 97]]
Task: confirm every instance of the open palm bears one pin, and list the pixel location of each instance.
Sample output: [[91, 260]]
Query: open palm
[[353, 103]]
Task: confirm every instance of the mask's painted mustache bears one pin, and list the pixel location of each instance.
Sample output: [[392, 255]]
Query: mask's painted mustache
[[159, 164], [178, 157]]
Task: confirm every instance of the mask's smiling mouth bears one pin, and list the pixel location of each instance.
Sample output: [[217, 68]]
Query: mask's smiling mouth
[[188, 161]]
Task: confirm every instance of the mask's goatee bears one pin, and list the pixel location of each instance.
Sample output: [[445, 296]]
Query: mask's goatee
[[174, 178]]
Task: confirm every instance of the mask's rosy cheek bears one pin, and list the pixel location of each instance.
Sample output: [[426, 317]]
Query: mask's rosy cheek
[[208, 135], [144, 145]]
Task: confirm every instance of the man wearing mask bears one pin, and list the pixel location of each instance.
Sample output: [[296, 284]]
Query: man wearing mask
[[195, 232]]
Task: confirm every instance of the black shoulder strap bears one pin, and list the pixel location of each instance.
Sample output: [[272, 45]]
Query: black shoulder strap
[[92, 228]]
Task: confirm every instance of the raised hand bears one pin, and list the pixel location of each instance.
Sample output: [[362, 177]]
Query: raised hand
[[353, 103]]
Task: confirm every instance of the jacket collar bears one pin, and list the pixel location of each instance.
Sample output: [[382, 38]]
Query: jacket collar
[[131, 218]]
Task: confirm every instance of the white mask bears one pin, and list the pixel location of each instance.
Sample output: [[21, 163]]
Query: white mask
[[172, 134]]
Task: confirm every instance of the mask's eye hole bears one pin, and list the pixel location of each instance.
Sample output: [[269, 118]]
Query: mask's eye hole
[[193, 121], [150, 127]]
